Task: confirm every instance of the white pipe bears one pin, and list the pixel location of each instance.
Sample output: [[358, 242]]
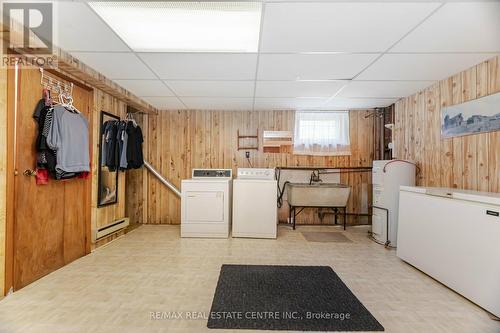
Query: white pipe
[[162, 179]]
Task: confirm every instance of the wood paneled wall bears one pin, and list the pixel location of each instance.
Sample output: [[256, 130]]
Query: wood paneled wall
[[467, 162], [136, 184], [99, 216], [177, 141], [3, 174]]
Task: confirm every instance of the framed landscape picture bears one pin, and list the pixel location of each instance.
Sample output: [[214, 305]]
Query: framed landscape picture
[[476, 116]]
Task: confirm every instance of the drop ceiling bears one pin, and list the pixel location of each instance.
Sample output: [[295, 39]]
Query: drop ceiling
[[331, 55]]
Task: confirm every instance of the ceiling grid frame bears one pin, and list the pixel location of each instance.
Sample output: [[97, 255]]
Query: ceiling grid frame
[[400, 39], [262, 15], [356, 78], [135, 53]]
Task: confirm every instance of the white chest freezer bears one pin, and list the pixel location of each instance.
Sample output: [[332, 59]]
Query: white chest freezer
[[453, 236]]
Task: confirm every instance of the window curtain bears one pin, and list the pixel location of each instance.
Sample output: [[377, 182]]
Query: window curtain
[[323, 133]]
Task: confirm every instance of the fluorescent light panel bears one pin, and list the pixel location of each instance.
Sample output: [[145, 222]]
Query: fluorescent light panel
[[184, 26]]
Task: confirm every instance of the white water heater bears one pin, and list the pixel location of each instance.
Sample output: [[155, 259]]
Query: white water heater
[[387, 177]]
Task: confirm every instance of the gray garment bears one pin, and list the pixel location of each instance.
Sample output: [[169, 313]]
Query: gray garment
[[123, 151], [69, 136]]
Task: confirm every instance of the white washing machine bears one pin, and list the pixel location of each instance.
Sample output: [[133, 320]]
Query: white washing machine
[[255, 212], [206, 203]]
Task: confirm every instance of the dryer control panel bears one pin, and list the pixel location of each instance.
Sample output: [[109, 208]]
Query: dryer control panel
[[212, 173]]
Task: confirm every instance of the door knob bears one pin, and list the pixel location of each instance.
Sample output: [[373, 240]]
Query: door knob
[[29, 172]]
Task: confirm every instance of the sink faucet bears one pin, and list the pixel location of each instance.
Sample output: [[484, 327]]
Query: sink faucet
[[314, 177]]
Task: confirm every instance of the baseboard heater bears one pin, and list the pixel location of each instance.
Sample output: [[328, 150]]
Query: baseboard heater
[[111, 228]]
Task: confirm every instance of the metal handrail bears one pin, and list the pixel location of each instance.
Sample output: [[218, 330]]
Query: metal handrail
[[162, 179]]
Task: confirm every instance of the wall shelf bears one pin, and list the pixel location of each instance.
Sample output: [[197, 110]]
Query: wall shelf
[[277, 141], [248, 142]]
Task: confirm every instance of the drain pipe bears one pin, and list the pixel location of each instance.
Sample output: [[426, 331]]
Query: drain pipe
[[162, 179]]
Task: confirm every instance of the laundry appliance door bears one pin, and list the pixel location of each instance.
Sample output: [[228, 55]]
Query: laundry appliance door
[[205, 206]]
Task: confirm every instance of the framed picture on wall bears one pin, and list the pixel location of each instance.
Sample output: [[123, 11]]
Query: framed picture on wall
[[476, 116]]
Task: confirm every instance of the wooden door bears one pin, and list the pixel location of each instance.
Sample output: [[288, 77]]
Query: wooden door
[[51, 222]]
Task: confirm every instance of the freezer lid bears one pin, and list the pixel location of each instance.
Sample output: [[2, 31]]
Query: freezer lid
[[476, 196], [453, 193], [415, 189]]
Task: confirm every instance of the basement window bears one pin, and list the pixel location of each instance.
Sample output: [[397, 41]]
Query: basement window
[[323, 133]]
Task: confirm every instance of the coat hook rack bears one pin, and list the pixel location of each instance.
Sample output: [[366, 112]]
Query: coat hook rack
[[52, 84]]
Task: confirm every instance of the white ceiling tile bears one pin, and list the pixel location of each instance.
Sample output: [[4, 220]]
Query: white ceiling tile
[[165, 103], [383, 89], [79, 28], [202, 66], [146, 87], [420, 66], [215, 103], [265, 103], [339, 26], [457, 27], [116, 65], [298, 88], [312, 66], [358, 103], [212, 88]]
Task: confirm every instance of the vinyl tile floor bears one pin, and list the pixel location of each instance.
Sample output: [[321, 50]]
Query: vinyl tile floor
[[151, 280]]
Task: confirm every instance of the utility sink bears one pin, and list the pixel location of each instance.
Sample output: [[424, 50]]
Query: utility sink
[[318, 194]]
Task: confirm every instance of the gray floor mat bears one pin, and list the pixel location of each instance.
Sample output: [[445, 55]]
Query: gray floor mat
[[323, 237]]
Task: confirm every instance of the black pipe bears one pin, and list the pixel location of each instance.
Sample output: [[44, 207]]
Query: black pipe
[[323, 168], [350, 214], [335, 208], [281, 191], [321, 224], [345, 171]]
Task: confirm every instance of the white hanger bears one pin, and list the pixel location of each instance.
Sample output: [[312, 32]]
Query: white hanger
[[129, 117], [66, 100]]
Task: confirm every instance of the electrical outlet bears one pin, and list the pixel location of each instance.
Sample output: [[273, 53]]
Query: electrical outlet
[[247, 154]]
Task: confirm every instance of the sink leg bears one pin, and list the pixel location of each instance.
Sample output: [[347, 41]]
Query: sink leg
[[335, 211], [345, 216], [294, 215]]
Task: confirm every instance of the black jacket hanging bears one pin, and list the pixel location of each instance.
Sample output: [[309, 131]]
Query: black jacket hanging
[[46, 157], [110, 153], [135, 158]]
